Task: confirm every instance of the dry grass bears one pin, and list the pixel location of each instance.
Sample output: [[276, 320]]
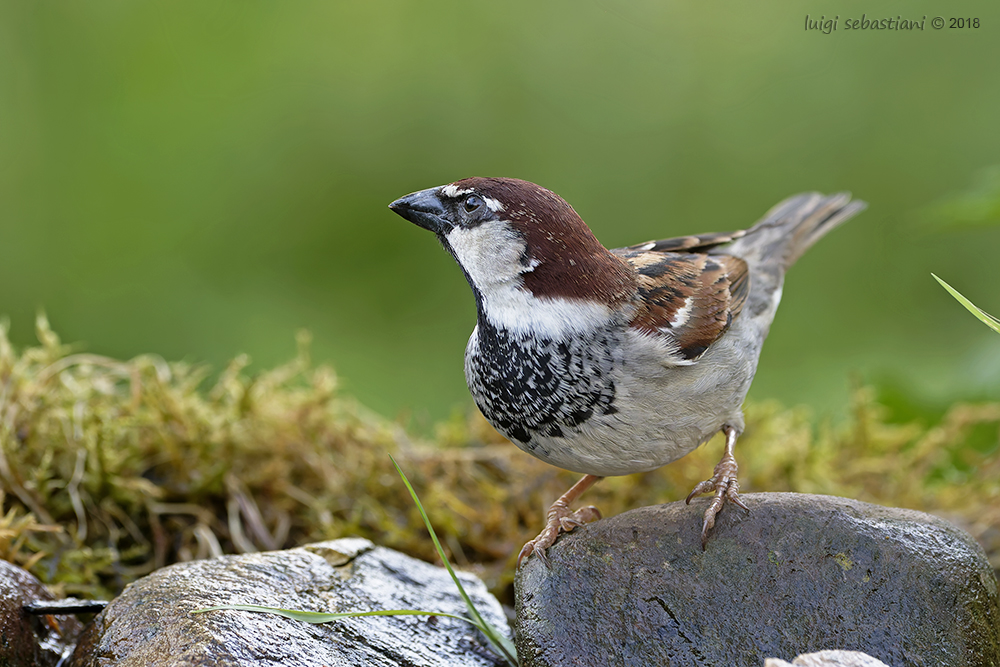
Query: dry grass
[[110, 469]]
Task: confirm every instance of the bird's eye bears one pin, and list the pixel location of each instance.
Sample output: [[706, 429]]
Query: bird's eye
[[473, 203]]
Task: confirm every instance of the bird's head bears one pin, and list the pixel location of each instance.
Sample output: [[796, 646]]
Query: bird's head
[[520, 246]]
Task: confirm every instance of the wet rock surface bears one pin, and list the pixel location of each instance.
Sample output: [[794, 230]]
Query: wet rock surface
[[798, 574], [150, 623], [27, 640]]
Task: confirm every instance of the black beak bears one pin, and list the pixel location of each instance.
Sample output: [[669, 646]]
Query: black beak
[[423, 209]]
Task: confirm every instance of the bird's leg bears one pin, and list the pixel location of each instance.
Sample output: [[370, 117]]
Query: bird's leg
[[560, 519], [723, 483]]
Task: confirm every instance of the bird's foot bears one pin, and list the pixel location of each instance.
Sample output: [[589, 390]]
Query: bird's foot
[[723, 483], [561, 519]]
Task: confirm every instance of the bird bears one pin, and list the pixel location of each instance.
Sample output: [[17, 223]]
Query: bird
[[612, 362]]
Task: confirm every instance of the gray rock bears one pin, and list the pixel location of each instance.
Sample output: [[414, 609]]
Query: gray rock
[[828, 659], [799, 573], [150, 623], [26, 640]]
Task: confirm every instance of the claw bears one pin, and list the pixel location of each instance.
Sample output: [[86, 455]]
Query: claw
[[700, 488], [560, 519], [723, 483]]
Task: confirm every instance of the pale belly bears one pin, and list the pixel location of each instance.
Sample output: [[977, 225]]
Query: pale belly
[[631, 413]]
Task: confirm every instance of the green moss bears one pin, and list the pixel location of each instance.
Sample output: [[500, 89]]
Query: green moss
[[110, 469]]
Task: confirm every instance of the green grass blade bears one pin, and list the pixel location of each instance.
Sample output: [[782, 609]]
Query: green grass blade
[[982, 315], [497, 639], [316, 617]]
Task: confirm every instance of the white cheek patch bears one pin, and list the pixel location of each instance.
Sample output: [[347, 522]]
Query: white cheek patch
[[490, 253], [491, 256], [453, 192]]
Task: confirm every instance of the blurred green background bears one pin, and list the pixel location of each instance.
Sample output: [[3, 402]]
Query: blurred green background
[[199, 179]]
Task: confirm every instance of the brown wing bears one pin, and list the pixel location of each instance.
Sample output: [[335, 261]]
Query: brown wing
[[698, 242], [692, 298]]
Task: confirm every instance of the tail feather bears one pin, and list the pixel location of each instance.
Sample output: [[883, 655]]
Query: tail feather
[[794, 225]]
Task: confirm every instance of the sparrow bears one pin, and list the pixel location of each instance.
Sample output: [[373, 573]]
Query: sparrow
[[612, 362]]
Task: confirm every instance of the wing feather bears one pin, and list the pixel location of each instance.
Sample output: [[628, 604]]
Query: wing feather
[[690, 298], [677, 244]]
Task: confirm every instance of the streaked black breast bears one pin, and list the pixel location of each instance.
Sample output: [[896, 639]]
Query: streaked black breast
[[528, 386]]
